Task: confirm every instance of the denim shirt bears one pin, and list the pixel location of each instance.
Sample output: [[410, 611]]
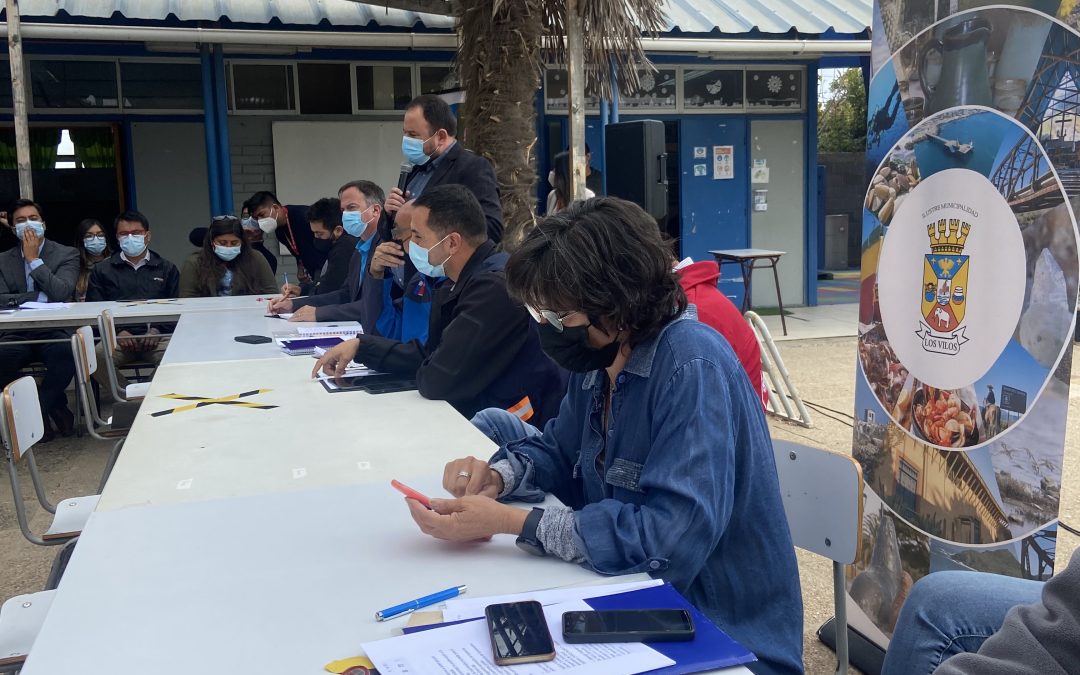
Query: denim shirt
[[688, 490]]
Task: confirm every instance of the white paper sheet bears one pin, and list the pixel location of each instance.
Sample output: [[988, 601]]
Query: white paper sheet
[[348, 330], [460, 608], [466, 648], [30, 304]]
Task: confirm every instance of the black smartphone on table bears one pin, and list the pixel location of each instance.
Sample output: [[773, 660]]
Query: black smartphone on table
[[519, 633], [628, 625]]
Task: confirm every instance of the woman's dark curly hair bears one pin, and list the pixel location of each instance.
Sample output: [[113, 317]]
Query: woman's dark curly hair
[[604, 257]]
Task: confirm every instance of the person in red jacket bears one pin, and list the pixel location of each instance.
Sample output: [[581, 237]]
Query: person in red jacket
[[698, 281]]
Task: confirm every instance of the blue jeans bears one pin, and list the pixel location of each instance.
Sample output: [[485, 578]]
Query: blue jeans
[[502, 427], [948, 613]]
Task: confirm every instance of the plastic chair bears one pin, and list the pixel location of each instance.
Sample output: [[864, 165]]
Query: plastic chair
[[82, 348], [107, 330], [22, 427], [823, 498], [21, 618]]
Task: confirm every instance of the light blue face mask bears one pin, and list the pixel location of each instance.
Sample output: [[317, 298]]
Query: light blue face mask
[[419, 256], [94, 245], [353, 221], [133, 245], [413, 149], [34, 225], [226, 253]]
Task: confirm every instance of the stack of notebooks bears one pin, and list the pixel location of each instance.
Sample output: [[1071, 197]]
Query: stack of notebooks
[[310, 337]]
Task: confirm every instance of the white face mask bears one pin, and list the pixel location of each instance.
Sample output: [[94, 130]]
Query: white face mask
[[268, 224], [551, 178]]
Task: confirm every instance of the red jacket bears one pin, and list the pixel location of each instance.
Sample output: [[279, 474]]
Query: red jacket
[[714, 309]]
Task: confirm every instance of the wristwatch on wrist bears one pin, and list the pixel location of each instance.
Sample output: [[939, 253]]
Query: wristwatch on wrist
[[528, 540]]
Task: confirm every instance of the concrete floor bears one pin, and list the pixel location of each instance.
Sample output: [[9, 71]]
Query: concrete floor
[[822, 369]]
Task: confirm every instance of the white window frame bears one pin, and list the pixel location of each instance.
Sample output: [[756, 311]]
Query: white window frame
[[680, 108], [414, 85], [231, 87], [29, 80], [693, 110], [769, 110]]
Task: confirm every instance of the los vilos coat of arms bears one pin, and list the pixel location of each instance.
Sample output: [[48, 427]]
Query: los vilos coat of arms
[[945, 287]]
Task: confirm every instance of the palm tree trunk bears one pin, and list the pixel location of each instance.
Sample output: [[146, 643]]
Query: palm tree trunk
[[499, 66]]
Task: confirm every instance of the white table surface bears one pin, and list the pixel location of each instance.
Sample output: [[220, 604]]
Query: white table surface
[[86, 313], [313, 438], [747, 253], [206, 337], [274, 584]]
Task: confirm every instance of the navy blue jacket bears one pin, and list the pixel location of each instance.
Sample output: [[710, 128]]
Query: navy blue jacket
[[482, 350]]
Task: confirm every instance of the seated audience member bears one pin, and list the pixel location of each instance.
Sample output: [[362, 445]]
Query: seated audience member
[[361, 215], [38, 270], [560, 178], [324, 216], [290, 226], [660, 450], [594, 178], [226, 265], [401, 308], [482, 349], [93, 247], [254, 236], [974, 623], [135, 273], [698, 281]]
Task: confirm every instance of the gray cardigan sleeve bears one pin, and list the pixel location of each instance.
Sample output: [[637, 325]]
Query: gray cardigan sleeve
[[57, 280], [1039, 639]]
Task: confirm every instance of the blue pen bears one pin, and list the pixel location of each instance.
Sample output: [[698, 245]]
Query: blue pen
[[413, 605]]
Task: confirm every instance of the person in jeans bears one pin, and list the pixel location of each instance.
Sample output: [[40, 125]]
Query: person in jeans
[[974, 623], [660, 451]]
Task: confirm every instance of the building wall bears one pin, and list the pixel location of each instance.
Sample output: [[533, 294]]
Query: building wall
[[252, 145]]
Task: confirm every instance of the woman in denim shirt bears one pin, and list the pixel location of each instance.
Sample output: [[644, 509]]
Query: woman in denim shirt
[[660, 451]]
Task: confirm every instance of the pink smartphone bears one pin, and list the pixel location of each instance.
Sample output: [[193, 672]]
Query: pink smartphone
[[411, 493]]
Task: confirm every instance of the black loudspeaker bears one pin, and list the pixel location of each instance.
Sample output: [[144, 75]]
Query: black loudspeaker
[[636, 164]]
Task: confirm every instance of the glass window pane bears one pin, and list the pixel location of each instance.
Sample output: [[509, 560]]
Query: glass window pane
[[263, 87], [773, 88], [324, 88], [162, 86], [557, 91], [383, 87], [73, 84], [710, 88], [5, 84], [657, 90], [438, 79]]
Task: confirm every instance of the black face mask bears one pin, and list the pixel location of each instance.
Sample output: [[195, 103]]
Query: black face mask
[[322, 245], [570, 348]]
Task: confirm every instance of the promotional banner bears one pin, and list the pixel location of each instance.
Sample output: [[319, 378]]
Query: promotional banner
[[968, 293]]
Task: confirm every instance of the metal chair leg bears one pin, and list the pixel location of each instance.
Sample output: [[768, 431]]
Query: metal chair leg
[[840, 606]]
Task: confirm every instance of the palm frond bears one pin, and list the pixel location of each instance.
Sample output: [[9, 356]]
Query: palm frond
[[612, 30]]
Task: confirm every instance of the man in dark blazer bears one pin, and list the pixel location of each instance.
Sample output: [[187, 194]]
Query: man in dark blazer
[[38, 270], [438, 159], [362, 215]]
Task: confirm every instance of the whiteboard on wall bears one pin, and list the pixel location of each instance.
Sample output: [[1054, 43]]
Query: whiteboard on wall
[[313, 159]]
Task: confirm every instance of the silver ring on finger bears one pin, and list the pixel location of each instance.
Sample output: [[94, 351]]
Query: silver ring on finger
[[464, 474]]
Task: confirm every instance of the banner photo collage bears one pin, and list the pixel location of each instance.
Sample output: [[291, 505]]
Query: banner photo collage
[[968, 293]]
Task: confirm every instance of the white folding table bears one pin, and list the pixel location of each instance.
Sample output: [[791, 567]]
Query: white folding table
[[309, 438]]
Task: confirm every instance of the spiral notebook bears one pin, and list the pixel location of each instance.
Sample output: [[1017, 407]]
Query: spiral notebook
[[317, 331]]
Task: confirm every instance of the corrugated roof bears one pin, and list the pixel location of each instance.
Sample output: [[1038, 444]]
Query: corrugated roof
[[689, 16], [291, 12], [769, 16]]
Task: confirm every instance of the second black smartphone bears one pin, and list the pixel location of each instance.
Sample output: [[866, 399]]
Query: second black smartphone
[[628, 625]]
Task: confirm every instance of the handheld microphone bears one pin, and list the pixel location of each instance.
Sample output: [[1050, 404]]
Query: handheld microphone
[[406, 167], [403, 178]]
